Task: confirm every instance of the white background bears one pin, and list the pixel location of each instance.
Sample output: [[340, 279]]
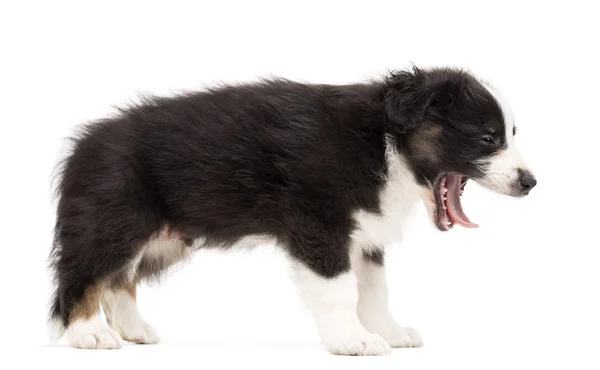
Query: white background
[[520, 292]]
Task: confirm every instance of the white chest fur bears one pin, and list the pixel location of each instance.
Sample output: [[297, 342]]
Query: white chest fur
[[397, 201]]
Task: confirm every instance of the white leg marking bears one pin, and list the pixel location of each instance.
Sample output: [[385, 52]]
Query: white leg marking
[[333, 305], [133, 267], [124, 317], [92, 334], [373, 309]]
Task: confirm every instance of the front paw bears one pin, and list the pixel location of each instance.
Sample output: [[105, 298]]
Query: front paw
[[402, 337]]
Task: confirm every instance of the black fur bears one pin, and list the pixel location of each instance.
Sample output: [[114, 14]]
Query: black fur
[[460, 107], [376, 256], [278, 157]]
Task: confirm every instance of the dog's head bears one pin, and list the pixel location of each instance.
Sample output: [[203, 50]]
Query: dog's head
[[450, 127]]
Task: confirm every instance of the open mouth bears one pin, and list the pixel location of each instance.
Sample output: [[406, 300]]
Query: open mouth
[[447, 191]]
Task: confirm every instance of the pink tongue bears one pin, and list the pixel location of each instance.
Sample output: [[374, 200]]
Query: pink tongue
[[455, 210]]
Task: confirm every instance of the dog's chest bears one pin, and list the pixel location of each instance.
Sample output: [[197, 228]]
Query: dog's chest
[[397, 201]]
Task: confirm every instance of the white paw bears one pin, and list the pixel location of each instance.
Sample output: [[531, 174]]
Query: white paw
[[123, 316], [92, 335], [364, 345], [403, 337], [138, 332]]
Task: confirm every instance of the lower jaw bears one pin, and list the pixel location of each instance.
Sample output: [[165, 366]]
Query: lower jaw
[[441, 192], [437, 215], [442, 227]]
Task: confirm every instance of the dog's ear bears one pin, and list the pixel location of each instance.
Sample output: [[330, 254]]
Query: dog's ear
[[413, 95], [405, 102]]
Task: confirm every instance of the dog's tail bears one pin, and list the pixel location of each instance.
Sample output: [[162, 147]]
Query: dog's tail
[[57, 317], [57, 324]]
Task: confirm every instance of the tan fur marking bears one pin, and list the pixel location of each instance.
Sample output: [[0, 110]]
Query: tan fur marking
[[89, 305], [131, 288], [424, 144]]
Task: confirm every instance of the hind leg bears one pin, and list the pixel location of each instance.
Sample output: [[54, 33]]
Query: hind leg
[[123, 316], [83, 277], [119, 299], [86, 329], [91, 251]]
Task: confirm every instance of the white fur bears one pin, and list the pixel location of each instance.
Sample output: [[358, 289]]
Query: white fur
[[133, 265], [501, 173], [124, 317], [252, 241], [373, 309], [333, 304], [166, 249], [398, 198], [92, 334]]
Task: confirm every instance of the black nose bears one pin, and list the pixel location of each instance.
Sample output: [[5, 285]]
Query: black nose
[[528, 182]]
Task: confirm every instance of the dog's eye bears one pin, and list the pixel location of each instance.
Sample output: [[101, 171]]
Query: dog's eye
[[488, 140]]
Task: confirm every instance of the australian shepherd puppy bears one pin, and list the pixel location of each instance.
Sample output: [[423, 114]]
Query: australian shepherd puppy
[[329, 173]]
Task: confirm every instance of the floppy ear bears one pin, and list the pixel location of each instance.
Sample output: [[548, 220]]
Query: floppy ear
[[405, 103], [412, 96]]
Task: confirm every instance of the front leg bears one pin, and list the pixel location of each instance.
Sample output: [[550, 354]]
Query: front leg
[[327, 284], [372, 307], [332, 302]]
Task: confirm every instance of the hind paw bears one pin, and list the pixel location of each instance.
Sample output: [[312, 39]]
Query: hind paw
[[92, 334], [403, 337], [142, 333]]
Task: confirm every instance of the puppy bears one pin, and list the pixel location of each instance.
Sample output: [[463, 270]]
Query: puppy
[[329, 173]]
